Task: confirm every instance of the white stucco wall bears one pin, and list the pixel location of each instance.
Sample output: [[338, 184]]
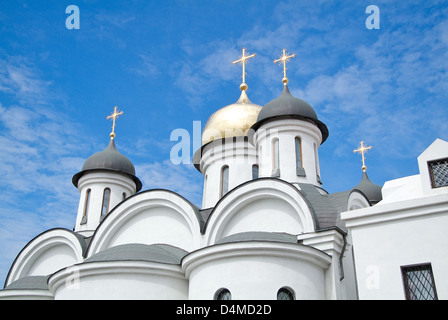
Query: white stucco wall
[[47, 253], [256, 270], [383, 246], [97, 182], [408, 227], [154, 216], [120, 280], [286, 130], [238, 154]]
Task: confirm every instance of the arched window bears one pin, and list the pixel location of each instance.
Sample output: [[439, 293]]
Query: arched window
[[106, 200], [285, 293], [223, 294], [124, 196], [298, 148], [316, 159], [205, 186], [255, 171], [86, 207], [275, 154], [224, 181]]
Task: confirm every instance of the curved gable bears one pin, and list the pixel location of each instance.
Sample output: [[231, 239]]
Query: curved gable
[[357, 200], [266, 204], [150, 217], [48, 252]]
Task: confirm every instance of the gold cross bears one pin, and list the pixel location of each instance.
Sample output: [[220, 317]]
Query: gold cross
[[243, 60], [284, 58], [114, 116], [362, 149]]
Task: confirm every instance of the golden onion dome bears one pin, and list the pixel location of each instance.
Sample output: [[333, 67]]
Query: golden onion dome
[[231, 121]]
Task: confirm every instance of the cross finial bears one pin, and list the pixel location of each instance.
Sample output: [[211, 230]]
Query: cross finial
[[114, 116], [243, 60], [284, 58], [362, 149]]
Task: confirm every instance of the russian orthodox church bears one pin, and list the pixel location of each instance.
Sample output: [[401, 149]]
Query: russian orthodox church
[[267, 228]]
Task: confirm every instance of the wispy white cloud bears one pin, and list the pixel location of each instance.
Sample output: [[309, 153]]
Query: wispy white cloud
[[18, 77], [145, 67], [199, 75], [114, 19], [391, 92], [182, 179], [37, 158]]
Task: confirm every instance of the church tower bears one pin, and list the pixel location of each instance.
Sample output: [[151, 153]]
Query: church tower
[[226, 158], [106, 179], [288, 124]]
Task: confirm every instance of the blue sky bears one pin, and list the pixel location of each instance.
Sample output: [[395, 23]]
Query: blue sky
[[169, 63]]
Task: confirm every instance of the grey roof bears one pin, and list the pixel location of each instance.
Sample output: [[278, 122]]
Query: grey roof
[[286, 103], [109, 159], [340, 200], [371, 190], [259, 236], [29, 283], [205, 214], [289, 106], [326, 207], [162, 253]]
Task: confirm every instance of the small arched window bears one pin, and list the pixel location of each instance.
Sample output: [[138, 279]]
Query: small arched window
[[275, 154], [255, 171], [298, 149], [285, 293], [106, 201], [205, 187], [224, 181], [316, 159], [223, 294], [86, 207], [124, 196]]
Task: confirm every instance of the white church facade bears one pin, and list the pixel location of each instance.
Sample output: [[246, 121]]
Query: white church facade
[[267, 228]]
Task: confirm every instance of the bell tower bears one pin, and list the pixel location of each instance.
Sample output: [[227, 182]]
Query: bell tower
[[287, 136], [106, 179]]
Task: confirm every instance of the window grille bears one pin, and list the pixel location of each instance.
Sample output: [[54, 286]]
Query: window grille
[[419, 282], [255, 171], [285, 293], [438, 171], [223, 294]]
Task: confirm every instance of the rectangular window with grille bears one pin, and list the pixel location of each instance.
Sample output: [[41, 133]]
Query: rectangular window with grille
[[438, 171], [419, 282]]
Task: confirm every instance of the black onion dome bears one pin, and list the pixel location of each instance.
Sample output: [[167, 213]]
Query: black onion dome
[[288, 106], [371, 190], [109, 159]]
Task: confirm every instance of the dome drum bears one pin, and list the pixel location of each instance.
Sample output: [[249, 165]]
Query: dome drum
[[287, 106]]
